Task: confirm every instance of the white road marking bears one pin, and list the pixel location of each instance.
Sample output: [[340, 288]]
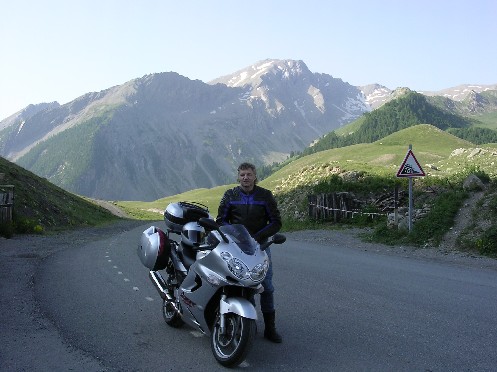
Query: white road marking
[[149, 298]]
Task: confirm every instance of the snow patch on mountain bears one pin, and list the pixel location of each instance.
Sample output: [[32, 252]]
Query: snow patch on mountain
[[461, 92]]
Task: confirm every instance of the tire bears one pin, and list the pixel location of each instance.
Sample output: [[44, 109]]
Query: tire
[[232, 348]]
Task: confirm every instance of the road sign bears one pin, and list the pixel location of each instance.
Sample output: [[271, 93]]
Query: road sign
[[410, 167]]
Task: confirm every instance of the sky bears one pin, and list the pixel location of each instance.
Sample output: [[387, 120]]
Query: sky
[[59, 50]]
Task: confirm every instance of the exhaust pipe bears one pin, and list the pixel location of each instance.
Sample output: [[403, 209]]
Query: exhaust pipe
[[160, 285]]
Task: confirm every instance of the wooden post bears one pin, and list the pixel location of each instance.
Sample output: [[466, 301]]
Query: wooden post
[[6, 202]]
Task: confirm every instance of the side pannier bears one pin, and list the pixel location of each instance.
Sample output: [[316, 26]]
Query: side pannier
[[154, 248]]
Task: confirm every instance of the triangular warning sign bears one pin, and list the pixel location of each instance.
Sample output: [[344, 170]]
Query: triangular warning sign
[[410, 167]]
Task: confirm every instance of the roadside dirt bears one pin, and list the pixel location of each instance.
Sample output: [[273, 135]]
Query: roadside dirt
[[463, 220], [112, 208]]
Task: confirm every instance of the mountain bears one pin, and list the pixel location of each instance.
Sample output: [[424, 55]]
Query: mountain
[[163, 133], [463, 99], [408, 110], [26, 113], [460, 92]]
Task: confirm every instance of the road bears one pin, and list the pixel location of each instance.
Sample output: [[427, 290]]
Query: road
[[339, 308]]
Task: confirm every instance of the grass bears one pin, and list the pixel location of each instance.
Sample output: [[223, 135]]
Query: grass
[[481, 235], [42, 207], [428, 230]]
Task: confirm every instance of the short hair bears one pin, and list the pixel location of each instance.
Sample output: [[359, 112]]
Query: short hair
[[245, 166]]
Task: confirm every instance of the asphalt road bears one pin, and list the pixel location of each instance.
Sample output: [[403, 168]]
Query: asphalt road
[[339, 308]]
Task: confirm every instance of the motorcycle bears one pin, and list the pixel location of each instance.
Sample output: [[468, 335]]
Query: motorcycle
[[211, 277]]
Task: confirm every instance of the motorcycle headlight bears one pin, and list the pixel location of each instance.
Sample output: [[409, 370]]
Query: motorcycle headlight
[[238, 268], [259, 272]]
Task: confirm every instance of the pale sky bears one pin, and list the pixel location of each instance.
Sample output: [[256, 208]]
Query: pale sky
[[58, 50]]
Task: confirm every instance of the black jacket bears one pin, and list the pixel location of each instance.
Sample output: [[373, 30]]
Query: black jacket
[[257, 210]]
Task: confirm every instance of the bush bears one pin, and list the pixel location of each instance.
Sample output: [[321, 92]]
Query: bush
[[439, 220], [487, 244], [6, 229]]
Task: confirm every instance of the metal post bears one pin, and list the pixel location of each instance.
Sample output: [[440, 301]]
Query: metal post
[[410, 199], [410, 204]]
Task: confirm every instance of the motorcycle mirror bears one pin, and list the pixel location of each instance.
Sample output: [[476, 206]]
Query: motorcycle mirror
[[276, 239], [208, 223]]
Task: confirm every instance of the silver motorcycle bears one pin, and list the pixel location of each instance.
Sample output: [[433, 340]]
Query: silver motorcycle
[[211, 277]]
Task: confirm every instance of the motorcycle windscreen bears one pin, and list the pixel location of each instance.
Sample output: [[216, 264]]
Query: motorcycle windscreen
[[241, 237]]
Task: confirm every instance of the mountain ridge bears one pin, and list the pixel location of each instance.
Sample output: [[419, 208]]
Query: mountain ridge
[[164, 133]]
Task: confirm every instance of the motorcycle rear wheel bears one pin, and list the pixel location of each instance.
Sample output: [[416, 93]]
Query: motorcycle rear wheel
[[231, 348]]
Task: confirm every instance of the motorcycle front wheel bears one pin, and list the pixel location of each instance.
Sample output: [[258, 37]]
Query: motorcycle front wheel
[[231, 348]]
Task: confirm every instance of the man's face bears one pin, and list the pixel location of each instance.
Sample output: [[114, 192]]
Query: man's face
[[246, 177]]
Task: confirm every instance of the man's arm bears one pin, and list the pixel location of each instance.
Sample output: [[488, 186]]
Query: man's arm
[[222, 211], [273, 217]]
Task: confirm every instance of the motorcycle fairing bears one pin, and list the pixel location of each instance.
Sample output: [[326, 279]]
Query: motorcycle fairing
[[239, 306]]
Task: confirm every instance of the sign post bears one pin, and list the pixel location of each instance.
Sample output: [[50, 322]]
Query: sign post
[[410, 168]]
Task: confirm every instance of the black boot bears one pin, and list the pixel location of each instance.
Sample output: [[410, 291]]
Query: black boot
[[270, 328]]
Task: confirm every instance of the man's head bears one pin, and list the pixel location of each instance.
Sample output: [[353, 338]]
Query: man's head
[[247, 176]]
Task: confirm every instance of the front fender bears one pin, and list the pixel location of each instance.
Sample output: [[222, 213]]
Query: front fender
[[238, 305]]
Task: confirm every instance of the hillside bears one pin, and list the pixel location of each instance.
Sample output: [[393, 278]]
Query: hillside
[[40, 206], [439, 153], [408, 110]]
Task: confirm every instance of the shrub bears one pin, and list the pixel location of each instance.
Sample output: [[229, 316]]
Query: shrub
[[6, 230], [439, 220], [487, 244]]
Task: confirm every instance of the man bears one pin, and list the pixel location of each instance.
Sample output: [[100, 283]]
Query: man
[[256, 208]]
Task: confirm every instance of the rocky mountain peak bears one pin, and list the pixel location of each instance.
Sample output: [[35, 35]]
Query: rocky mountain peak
[[264, 70], [475, 102]]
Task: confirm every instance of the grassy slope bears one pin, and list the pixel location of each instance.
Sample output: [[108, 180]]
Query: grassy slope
[[488, 120], [430, 146], [39, 202], [41, 206]]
